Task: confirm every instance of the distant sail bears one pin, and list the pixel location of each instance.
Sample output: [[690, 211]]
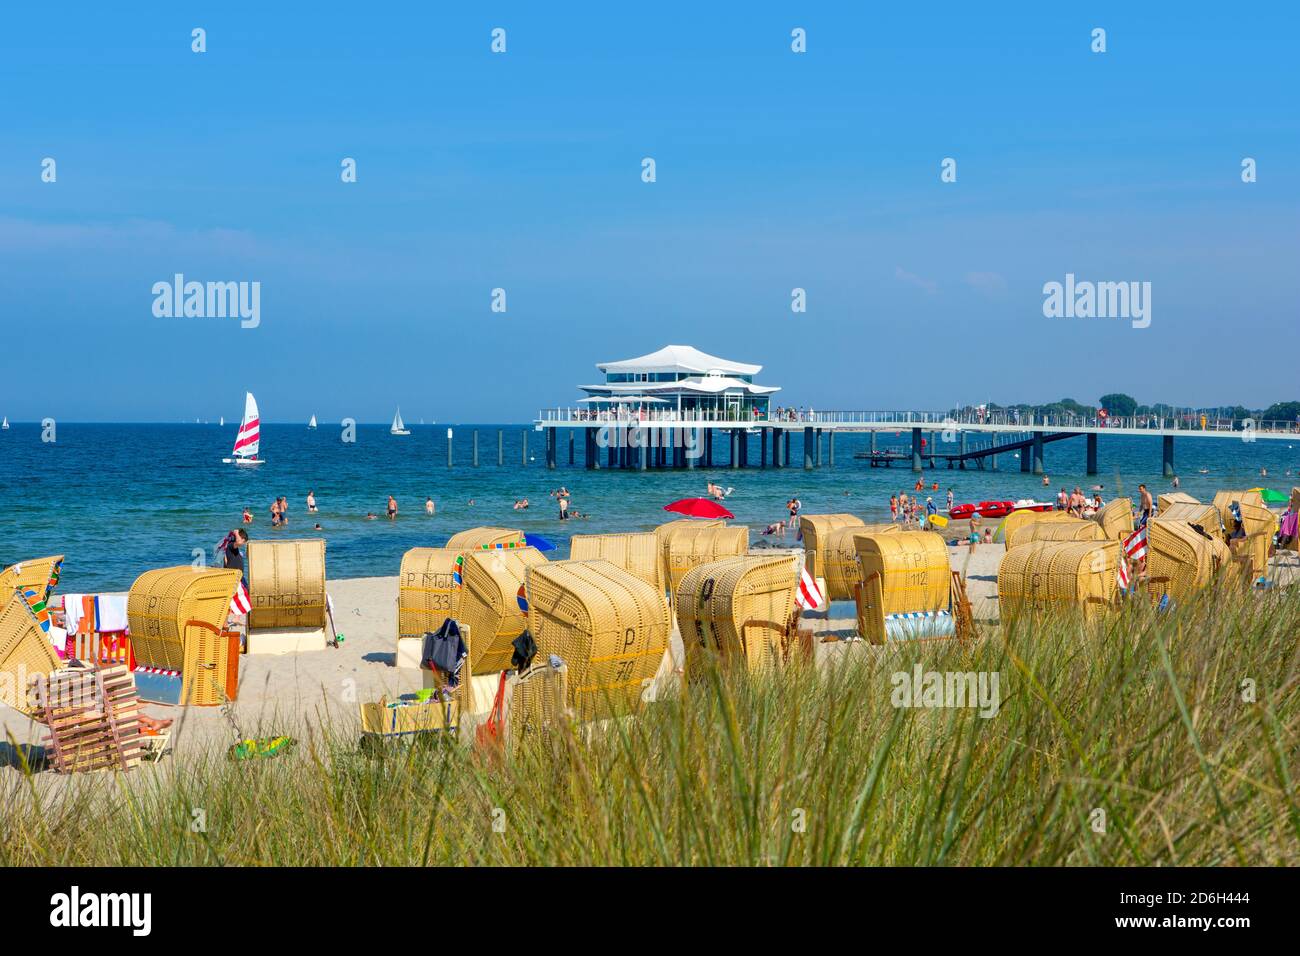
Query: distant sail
[[312, 423], [5, 424], [399, 427]]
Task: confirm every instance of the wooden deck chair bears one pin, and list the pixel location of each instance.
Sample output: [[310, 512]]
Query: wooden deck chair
[[93, 718]]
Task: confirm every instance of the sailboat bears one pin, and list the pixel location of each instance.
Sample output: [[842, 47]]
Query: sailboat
[[5, 424], [222, 423], [312, 423], [399, 427], [248, 437]]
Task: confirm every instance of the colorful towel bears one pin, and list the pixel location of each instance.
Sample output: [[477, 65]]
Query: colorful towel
[[262, 747]]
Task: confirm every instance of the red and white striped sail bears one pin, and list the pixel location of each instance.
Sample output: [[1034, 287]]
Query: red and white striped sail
[[246, 442]]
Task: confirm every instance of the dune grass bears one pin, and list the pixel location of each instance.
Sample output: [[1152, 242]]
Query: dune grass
[[1134, 742]]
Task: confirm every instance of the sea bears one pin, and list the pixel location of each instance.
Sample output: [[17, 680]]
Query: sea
[[119, 499]]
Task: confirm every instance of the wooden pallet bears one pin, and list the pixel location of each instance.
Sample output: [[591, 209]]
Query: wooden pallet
[[94, 719]]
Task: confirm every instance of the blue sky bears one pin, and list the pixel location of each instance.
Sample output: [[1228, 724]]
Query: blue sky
[[522, 171]]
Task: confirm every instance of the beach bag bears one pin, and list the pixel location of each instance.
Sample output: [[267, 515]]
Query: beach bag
[[444, 650]]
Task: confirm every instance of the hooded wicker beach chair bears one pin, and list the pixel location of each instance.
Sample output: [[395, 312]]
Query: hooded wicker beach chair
[[538, 703], [739, 609], [1171, 498], [699, 543], [487, 539], [815, 531], [636, 553], [1044, 576], [1258, 524], [608, 626], [1180, 560], [1075, 529], [492, 603], [1206, 517], [39, 575], [286, 584], [664, 532], [429, 590], [837, 558], [1013, 522], [183, 652], [25, 654], [1116, 518], [905, 590]]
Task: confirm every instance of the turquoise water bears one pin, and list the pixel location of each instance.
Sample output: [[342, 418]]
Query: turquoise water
[[120, 499]]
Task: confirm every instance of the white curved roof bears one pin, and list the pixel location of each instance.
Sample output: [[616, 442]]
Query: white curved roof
[[680, 358]]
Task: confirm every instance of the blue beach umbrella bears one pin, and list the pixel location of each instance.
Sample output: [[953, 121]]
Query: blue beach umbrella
[[538, 542]]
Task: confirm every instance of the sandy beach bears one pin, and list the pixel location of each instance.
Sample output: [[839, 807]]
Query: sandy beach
[[293, 693]]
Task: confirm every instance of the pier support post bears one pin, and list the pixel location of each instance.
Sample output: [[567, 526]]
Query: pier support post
[[993, 459], [476, 448], [691, 446], [1037, 450], [819, 448], [785, 448], [807, 448], [1024, 460], [550, 448], [762, 458], [779, 438], [1169, 455], [570, 447], [589, 449], [916, 449], [642, 447], [744, 448], [501, 447], [962, 464], [830, 447], [1092, 453], [708, 447], [735, 447]]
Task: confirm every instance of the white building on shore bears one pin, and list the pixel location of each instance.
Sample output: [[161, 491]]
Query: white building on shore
[[683, 381]]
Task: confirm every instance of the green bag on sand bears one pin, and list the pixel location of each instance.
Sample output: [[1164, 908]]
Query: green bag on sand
[[262, 747]]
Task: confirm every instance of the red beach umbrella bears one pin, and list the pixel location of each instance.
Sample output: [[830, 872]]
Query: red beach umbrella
[[699, 508]]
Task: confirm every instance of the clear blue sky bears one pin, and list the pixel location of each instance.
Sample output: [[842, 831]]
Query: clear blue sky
[[522, 171]]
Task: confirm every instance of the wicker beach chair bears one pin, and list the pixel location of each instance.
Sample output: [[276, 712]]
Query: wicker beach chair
[[815, 531], [25, 654], [538, 703], [1116, 518], [698, 543], [429, 590], [1048, 575], [1075, 529], [740, 609], [1180, 560], [487, 539], [608, 626], [1017, 520], [184, 653], [637, 553], [38, 575], [490, 603], [286, 584], [906, 590]]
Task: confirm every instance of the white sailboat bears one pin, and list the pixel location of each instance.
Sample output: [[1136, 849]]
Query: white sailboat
[[222, 423], [5, 424], [399, 427], [312, 423], [248, 437]]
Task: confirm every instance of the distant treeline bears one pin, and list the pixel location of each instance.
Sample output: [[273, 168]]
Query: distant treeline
[[1124, 406]]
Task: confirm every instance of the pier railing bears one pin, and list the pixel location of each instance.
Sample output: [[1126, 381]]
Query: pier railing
[[1191, 421]]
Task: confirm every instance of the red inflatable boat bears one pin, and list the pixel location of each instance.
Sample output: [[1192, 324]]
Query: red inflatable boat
[[958, 512], [995, 509]]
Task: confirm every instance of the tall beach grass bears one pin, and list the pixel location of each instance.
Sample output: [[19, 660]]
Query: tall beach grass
[[1149, 739]]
